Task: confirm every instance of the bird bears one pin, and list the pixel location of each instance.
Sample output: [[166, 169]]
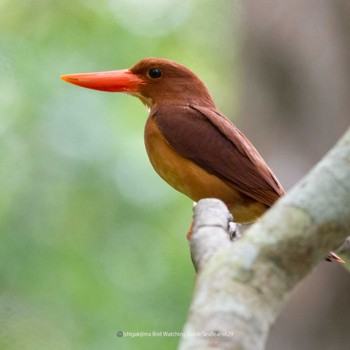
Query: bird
[[190, 143], [193, 146]]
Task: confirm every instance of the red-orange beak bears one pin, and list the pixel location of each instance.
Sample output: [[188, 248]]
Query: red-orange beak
[[113, 81]]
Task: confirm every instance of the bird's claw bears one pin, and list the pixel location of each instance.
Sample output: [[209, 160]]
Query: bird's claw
[[233, 231], [331, 256]]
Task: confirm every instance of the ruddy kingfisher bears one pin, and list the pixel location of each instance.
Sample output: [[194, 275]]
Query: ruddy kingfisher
[[190, 143]]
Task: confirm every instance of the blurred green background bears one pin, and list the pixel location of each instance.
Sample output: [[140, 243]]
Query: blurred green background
[[92, 240]]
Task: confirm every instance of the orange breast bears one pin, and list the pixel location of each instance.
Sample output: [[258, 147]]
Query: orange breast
[[194, 181]]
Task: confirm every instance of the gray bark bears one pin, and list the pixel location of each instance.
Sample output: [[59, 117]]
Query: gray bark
[[242, 285]]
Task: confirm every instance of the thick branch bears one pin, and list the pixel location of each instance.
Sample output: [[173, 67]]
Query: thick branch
[[242, 287]]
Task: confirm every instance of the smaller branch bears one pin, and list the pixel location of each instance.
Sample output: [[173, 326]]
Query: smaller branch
[[210, 231]]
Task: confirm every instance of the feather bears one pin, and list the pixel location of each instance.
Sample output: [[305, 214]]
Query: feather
[[213, 142]]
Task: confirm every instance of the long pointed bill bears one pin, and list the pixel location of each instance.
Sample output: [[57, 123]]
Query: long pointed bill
[[113, 81]]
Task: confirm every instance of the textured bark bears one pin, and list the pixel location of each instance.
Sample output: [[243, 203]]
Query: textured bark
[[242, 285]]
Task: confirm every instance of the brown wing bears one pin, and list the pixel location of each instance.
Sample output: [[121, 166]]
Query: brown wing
[[211, 140]]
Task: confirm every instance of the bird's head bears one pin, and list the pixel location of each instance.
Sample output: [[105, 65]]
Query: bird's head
[[153, 80]]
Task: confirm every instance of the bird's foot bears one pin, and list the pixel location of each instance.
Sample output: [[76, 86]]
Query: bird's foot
[[189, 233], [331, 256], [233, 231]]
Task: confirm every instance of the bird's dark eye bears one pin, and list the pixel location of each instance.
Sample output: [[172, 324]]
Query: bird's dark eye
[[155, 73]]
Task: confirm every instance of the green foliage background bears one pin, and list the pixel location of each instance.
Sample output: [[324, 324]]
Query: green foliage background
[[92, 241]]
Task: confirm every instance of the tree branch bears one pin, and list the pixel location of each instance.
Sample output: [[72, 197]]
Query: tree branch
[[241, 287], [210, 225]]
